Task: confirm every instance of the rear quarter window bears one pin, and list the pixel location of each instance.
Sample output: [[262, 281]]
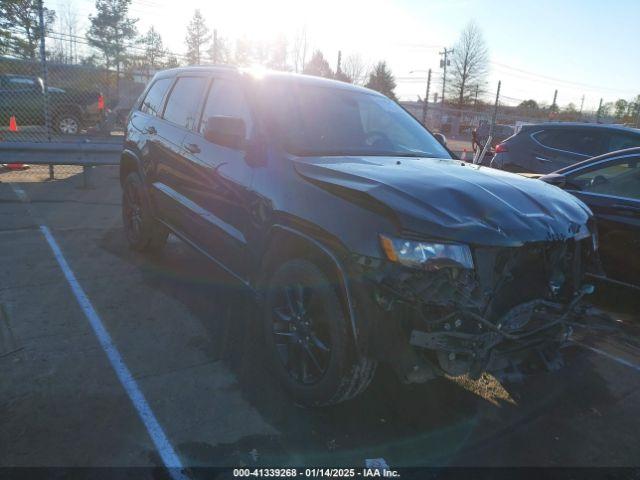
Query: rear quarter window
[[621, 141], [152, 103], [584, 142]]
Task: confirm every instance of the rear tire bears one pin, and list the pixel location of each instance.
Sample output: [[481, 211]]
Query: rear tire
[[143, 232], [308, 337], [67, 123]]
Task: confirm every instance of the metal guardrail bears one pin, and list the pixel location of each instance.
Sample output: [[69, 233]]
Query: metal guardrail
[[85, 154], [63, 153]]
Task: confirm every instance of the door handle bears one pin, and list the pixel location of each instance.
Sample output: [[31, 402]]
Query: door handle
[[151, 130], [542, 159], [192, 148]]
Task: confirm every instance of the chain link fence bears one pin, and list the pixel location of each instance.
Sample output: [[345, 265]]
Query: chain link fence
[[51, 94]]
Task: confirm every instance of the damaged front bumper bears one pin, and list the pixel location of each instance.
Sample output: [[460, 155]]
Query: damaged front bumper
[[517, 305]]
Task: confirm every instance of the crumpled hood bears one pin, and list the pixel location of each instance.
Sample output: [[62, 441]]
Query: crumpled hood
[[454, 200]]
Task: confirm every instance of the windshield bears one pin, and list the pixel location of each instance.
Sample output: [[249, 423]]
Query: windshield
[[318, 120]]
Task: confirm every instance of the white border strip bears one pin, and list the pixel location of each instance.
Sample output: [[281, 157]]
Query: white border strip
[[166, 451]]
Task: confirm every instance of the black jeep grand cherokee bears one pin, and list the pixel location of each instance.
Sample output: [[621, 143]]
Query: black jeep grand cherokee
[[361, 236]]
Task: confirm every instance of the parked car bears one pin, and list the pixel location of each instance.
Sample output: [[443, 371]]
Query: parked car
[[362, 238], [23, 97], [547, 147], [610, 186]]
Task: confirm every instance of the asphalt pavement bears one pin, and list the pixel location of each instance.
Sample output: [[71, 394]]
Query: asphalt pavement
[[188, 337]]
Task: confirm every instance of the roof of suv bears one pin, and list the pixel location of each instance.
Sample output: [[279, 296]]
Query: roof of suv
[[232, 71], [569, 125]]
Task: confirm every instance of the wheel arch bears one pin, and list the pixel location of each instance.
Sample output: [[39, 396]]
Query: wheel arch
[[63, 108], [284, 243], [129, 162]]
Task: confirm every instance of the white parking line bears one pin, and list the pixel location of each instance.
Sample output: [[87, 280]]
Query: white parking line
[[619, 360], [165, 449], [20, 193]]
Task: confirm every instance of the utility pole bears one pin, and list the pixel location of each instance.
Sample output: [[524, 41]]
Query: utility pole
[[45, 77], [339, 61], [475, 98], [425, 105], [599, 112], [581, 105], [495, 110], [444, 63]]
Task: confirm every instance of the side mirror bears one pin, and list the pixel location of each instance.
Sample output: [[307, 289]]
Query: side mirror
[[442, 140], [228, 132]]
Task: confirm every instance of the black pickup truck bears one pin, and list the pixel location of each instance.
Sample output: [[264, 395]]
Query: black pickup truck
[[22, 96]]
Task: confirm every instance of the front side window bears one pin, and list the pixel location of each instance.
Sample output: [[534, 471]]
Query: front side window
[[620, 178], [152, 103], [319, 120], [226, 99], [183, 106], [584, 142]]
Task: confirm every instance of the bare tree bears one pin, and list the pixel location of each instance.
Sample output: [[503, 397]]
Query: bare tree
[[469, 63], [278, 53], [355, 69], [299, 50], [70, 24]]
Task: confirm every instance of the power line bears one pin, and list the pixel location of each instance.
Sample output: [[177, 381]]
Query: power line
[[554, 80]]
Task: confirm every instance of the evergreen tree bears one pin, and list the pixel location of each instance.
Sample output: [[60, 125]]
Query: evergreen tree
[[381, 79], [172, 61], [110, 30], [198, 36], [154, 51], [219, 51], [318, 66], [20, 27]]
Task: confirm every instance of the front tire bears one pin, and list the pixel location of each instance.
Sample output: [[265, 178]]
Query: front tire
[[143, 232], [308, 337]]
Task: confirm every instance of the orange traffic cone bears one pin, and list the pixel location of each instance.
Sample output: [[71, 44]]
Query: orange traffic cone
[[13, 127]]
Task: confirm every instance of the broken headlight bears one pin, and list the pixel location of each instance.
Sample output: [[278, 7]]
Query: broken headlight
[[426, 255]]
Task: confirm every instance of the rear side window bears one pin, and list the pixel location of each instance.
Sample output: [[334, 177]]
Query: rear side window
[[620, 141], [183, 106], [584, 142], [152, 103]]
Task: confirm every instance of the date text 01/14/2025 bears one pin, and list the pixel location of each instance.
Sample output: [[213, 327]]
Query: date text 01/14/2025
[[315, 472]]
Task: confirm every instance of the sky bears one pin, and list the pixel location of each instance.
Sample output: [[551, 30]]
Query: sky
[[579, 47]]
